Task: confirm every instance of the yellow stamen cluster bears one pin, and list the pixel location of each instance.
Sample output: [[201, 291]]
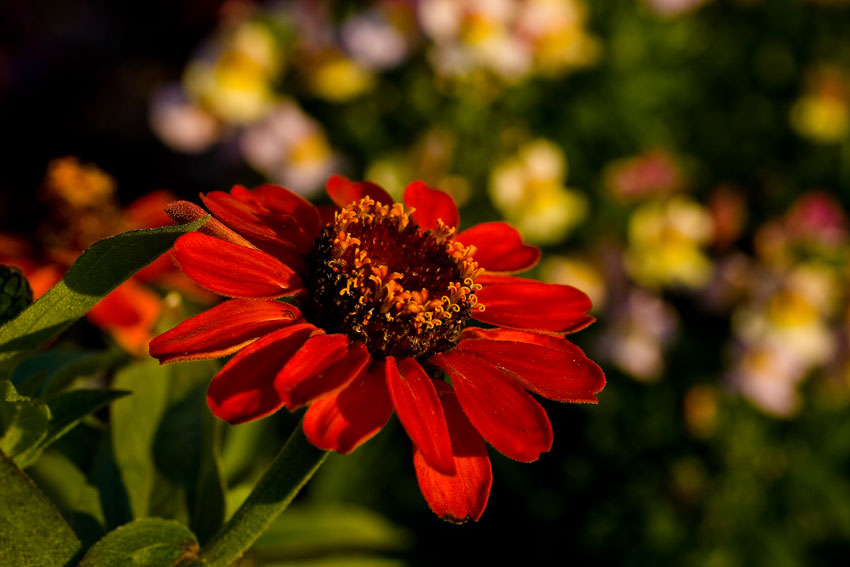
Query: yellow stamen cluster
[[401, 289], [374, 283]]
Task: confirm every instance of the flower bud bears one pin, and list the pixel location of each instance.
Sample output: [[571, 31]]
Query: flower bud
[[15, 293]]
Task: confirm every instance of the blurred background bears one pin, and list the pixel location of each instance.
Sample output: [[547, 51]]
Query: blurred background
[[685, 162]]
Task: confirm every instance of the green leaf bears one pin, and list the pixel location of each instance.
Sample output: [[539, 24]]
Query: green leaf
[[329, 530], [28, 425], [285, 476], [146, 542], [68, 489], [32, 532], [99, 270], [105, 476], [162, 445], [134, 424], [208, 508], [23, 425], [51, 371], [68, 408]]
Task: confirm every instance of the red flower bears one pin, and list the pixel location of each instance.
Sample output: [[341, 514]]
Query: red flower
[[81, 208], [129, 312], [384, 292]]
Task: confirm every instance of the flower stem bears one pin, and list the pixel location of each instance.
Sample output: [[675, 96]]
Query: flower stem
[[288, 472]]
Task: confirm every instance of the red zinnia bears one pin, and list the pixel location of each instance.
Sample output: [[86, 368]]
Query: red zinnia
[[384, 291]]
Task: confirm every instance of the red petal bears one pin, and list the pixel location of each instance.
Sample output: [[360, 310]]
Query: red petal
[[550, 366], [237, 214], [118, 308], [222, 330], [128, 314], [528, 304], [259, 224], [43, 278], [148, 211], [462, 496], [287, 255], [242, 212], [505, 414], [430, 205], [284, 201], [323, 365], [500, 247], [420, 412], [232, 270], [327, 213], [343, 192], [184, 212], [342, 421], [244, 389], [159, 268]]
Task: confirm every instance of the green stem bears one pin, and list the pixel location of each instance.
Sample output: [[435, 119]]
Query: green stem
[[288, 472]]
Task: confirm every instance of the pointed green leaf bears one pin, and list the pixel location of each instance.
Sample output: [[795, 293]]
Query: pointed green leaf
[[99, 270], [159, 441], [146, 542], [32, 532], [23, 425], [134, 424]]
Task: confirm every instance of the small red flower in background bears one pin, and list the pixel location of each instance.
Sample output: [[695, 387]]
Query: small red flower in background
[[81, 209], [384, 292]]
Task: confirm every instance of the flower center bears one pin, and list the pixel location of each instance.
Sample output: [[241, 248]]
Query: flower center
[[381, 279]]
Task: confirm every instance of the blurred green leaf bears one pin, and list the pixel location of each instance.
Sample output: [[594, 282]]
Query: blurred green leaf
[[32, 532], [23, 425], [78, 474], [329, 530], [105, 476], [69, 489], [51, 371], [134, 422], [163, 449], [28, 425], [208, 509], [246, 449], [146, 542], [99, 270]]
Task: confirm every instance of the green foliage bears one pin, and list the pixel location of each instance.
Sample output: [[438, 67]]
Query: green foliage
[[23, 424], [330, 533], [146, 542], [29, 425], [51, 371], [31, 530], [164, 444]]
